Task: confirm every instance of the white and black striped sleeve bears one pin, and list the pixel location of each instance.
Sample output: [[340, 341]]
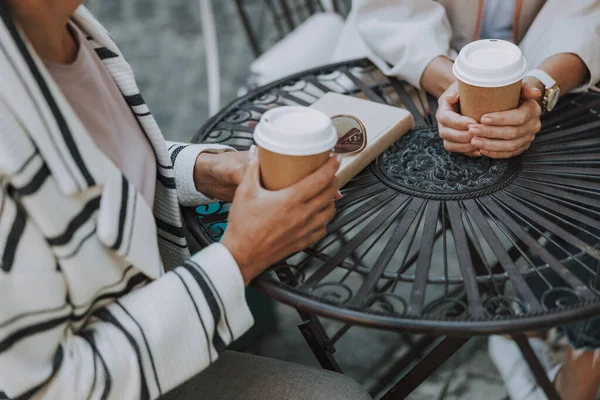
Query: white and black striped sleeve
[[183, 159], [142, 345]]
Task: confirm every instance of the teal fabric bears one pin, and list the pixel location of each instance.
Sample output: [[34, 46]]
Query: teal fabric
[[216, 229]]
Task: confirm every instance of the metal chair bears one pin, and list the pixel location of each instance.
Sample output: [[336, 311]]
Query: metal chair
[[268, 21], [211, 48]]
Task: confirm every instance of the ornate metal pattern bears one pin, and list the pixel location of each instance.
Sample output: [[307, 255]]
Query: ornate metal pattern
[[418, 164], [424, 239]]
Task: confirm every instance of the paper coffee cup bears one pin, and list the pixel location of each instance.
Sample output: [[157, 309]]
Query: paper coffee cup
[[489, 74], [292, 142]]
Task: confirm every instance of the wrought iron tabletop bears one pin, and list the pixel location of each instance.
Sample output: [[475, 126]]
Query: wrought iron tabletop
[[429, 241]]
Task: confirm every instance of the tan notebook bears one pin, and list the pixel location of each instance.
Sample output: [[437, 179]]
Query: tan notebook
[[384, 124]]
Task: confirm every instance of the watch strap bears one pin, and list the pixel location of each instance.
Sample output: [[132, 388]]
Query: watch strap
[[542, 76], [549, 85]]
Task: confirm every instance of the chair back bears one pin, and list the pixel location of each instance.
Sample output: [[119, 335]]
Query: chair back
[[268, 21]]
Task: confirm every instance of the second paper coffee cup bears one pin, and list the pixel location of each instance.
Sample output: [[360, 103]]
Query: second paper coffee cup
[[489, 74], [292, 143]]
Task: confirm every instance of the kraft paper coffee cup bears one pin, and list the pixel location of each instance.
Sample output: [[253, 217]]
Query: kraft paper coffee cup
[[292, 142], [489, 74]]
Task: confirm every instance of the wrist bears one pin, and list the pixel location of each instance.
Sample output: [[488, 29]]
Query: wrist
[[438, 76], [202, 171], [239, 256]]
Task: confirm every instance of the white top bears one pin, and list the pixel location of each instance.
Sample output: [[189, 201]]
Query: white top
[[497, 22], [97, 101], [402, 37]]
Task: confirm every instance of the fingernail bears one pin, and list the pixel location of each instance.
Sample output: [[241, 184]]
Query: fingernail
[[476, 142], [339, 195], [486, 120], [253, 151], [475, 130], [338, 157]]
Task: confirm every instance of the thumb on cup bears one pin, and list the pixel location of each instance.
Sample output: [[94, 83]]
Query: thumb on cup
[[452, 98], [252, 175], [529, 91]]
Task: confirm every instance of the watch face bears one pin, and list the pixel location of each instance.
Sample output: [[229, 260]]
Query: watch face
[[552, 98]]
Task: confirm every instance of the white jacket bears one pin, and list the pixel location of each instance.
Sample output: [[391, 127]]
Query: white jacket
[[87, 309], [403, 36]]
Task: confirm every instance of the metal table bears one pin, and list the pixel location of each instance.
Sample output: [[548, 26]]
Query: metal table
[[425, 241]]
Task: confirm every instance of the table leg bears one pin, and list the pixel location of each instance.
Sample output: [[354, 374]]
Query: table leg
[[318, 341], [426, 366], [536, 367], [416, 352], [311, 328]]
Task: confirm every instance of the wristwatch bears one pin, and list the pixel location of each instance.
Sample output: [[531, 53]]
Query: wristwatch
[[552, 91]]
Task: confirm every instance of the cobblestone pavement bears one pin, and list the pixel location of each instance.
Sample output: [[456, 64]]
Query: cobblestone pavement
[[162, 40]]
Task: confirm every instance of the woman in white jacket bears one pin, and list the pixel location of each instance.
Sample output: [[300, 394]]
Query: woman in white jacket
[[416, 40]]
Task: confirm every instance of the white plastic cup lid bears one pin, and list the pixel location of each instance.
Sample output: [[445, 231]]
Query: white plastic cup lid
[[490, 63], [295, 131]]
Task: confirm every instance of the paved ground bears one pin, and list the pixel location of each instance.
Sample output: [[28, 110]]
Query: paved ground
[[162, 41], [364, 354]]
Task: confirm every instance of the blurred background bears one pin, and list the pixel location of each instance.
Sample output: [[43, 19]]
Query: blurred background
[[163, 42]]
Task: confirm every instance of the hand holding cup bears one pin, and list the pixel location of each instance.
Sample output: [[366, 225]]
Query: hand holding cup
[[500, 115], [453, 127], [507, 134], [266, 226]]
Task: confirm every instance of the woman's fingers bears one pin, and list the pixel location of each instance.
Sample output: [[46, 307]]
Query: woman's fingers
[[505, 132], [532, 89], [320, 219], [447, 115], [323, 199], [505, 154], [527, 111], [528, 91], [315, 183], [474, 153], [453, 127], [455, 135], [508, 133], [502, 145], [449, 99], [494, 132], [458, 147], [312, 238], [452, 119]]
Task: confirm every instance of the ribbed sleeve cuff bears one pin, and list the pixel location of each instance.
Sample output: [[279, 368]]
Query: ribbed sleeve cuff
[[222, 269], [184, 173]]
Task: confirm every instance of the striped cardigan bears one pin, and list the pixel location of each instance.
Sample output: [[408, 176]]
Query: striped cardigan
[[87, 309]]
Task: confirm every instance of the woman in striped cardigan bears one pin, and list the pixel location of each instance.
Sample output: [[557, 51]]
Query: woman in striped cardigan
[[99, 296]]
